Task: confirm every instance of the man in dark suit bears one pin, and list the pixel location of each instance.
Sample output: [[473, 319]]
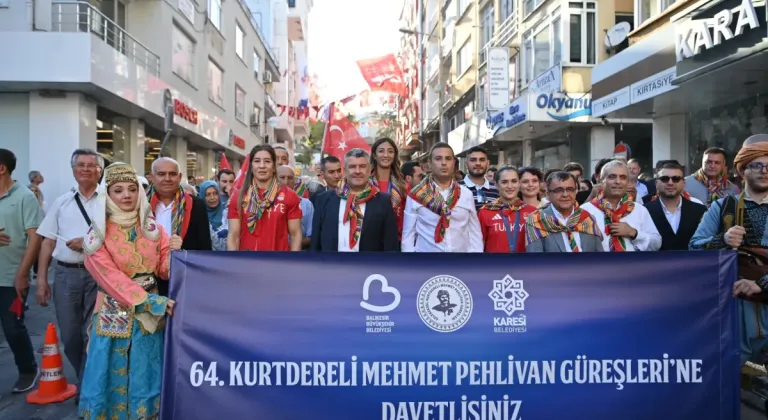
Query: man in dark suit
[[184, 217], [676, 217], [355, 216]]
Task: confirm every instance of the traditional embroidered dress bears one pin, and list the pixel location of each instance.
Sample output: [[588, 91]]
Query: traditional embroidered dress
[[625, 206], [124, 252], [715, 189], [353, 213], [301, 188], [500, 220], [540, 225], [396, 197], [427, 195], [182, 211]]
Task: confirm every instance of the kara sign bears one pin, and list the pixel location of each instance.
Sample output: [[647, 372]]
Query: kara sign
[[697, 35], [185, 111], [498, 78], [564, 107]]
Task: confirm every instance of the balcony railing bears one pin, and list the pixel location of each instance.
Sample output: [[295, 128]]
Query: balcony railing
[[507, 30], [74, 16], [482, 56]]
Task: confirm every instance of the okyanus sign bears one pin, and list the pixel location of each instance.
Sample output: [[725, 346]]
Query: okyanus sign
[[452, 336], [697, 35], [557, 104]]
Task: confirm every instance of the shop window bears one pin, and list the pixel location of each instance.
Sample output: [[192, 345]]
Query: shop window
[[183, 59], [582, 33], [214, 13], [464, 58], [215, 84], [541, 48], [239, 41], [256, 65], [239, 103]]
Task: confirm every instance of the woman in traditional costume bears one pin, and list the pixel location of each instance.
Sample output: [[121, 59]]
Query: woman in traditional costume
[[127, 253]]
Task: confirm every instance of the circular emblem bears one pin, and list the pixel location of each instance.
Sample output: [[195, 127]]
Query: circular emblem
[[444, 303]]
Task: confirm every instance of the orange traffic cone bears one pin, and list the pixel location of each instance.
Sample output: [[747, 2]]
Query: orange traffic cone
[[53, 386]]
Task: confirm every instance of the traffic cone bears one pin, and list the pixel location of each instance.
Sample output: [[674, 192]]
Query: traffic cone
[[53, 386]]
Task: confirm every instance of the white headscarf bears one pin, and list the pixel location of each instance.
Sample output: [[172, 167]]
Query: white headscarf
[[106, 209]]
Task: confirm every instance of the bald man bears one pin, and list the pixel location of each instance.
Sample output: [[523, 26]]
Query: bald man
[[183, 216], [286, 175]]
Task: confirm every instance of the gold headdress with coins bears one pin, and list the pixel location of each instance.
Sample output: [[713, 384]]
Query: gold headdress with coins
[[120, 172]]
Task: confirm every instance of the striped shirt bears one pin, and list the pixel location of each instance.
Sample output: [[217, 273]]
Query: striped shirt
[[481, 193]]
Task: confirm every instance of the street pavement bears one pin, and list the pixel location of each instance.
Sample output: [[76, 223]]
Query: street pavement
[[15, 407]]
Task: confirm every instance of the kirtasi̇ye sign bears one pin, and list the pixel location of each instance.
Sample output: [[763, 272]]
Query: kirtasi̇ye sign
[[453, 336], [562, 107], [698, 35], [508, 118]]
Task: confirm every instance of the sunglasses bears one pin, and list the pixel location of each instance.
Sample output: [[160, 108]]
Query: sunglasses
[[665, 179]]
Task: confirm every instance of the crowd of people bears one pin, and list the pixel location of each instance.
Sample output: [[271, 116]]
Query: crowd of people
[[108, 241]]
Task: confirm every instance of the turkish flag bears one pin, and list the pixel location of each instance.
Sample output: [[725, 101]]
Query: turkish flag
[[224, 163], [383, 74], [341, 136]]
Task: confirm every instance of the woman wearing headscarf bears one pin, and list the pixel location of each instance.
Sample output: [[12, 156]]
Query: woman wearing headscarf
[[217, 212], [127, 253]]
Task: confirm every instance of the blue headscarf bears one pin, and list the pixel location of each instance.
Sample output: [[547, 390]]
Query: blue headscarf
[[215, 214]]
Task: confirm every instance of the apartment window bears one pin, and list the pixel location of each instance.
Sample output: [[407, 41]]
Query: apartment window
[[482, 93], [214, 13], [530, 5], [465, 58], [582, 33], [239, 103], [487, 28], [183, 60], [463, 4], [256, 65], [507, 9], [215, 84], [239, 42], [541, 49], [255, 118], [647, 9]]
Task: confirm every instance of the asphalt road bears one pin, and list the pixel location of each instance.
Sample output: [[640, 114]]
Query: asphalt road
[[15, 407]]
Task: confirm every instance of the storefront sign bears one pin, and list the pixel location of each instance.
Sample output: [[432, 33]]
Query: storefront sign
[[653, 86], [564, 107], [548, 82], [510, 117], [498, 78], [236, 141], [610, 103], [185, 111], [695, 36]]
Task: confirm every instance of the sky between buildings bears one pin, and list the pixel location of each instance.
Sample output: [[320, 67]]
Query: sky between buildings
[[343, 31]]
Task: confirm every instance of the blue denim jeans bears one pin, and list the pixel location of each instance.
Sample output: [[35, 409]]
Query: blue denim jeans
[[16, 333]]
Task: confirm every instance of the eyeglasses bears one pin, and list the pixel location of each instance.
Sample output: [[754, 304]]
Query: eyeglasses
[[758, 167], [664, 179], [561, 191]]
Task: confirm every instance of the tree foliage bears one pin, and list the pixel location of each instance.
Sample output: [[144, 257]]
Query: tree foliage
[[387, 122], [312, 144]]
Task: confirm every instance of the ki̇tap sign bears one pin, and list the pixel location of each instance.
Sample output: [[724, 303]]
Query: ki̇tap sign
[[697, 35]]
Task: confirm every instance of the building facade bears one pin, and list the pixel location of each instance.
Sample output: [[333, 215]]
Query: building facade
[[702, 87], [102, 75]]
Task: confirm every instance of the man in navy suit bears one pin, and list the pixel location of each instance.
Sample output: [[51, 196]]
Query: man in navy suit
[[355, 216]]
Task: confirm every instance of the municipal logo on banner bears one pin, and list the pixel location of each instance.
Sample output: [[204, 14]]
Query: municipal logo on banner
[[444, 303], [509, 296], [380, 323]]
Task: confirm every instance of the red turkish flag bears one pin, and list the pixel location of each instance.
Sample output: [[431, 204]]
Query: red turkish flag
[[383, 74], [224, 163], [341, 136]]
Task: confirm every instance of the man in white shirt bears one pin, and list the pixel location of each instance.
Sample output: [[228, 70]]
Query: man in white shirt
[[626, 225], [440, 214], [63, 229]]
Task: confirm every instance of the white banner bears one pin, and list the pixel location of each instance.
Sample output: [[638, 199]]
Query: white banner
[[498, 78]]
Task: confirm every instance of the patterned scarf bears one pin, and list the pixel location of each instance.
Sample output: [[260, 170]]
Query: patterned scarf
[[301, 189], [395, 193], [623, 209], [427, 195], [353, 213], [715, 189], [508, 207], [255, 204], [540, 225], [179, 206]]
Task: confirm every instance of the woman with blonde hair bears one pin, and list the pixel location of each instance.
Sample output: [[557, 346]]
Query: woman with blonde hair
[[127, 252]]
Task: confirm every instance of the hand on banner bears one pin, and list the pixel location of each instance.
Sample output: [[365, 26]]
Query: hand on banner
[[169, 307], [734, 237], [175, 243], [745, 287], [21, 283], [75, 244]]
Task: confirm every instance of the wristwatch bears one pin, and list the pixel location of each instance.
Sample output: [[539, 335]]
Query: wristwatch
[[633, 237]]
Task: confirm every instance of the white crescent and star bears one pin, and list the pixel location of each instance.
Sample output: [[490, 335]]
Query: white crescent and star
[[342, 145]]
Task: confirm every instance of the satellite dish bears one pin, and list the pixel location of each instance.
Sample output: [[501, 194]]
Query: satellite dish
[[617, 34]]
